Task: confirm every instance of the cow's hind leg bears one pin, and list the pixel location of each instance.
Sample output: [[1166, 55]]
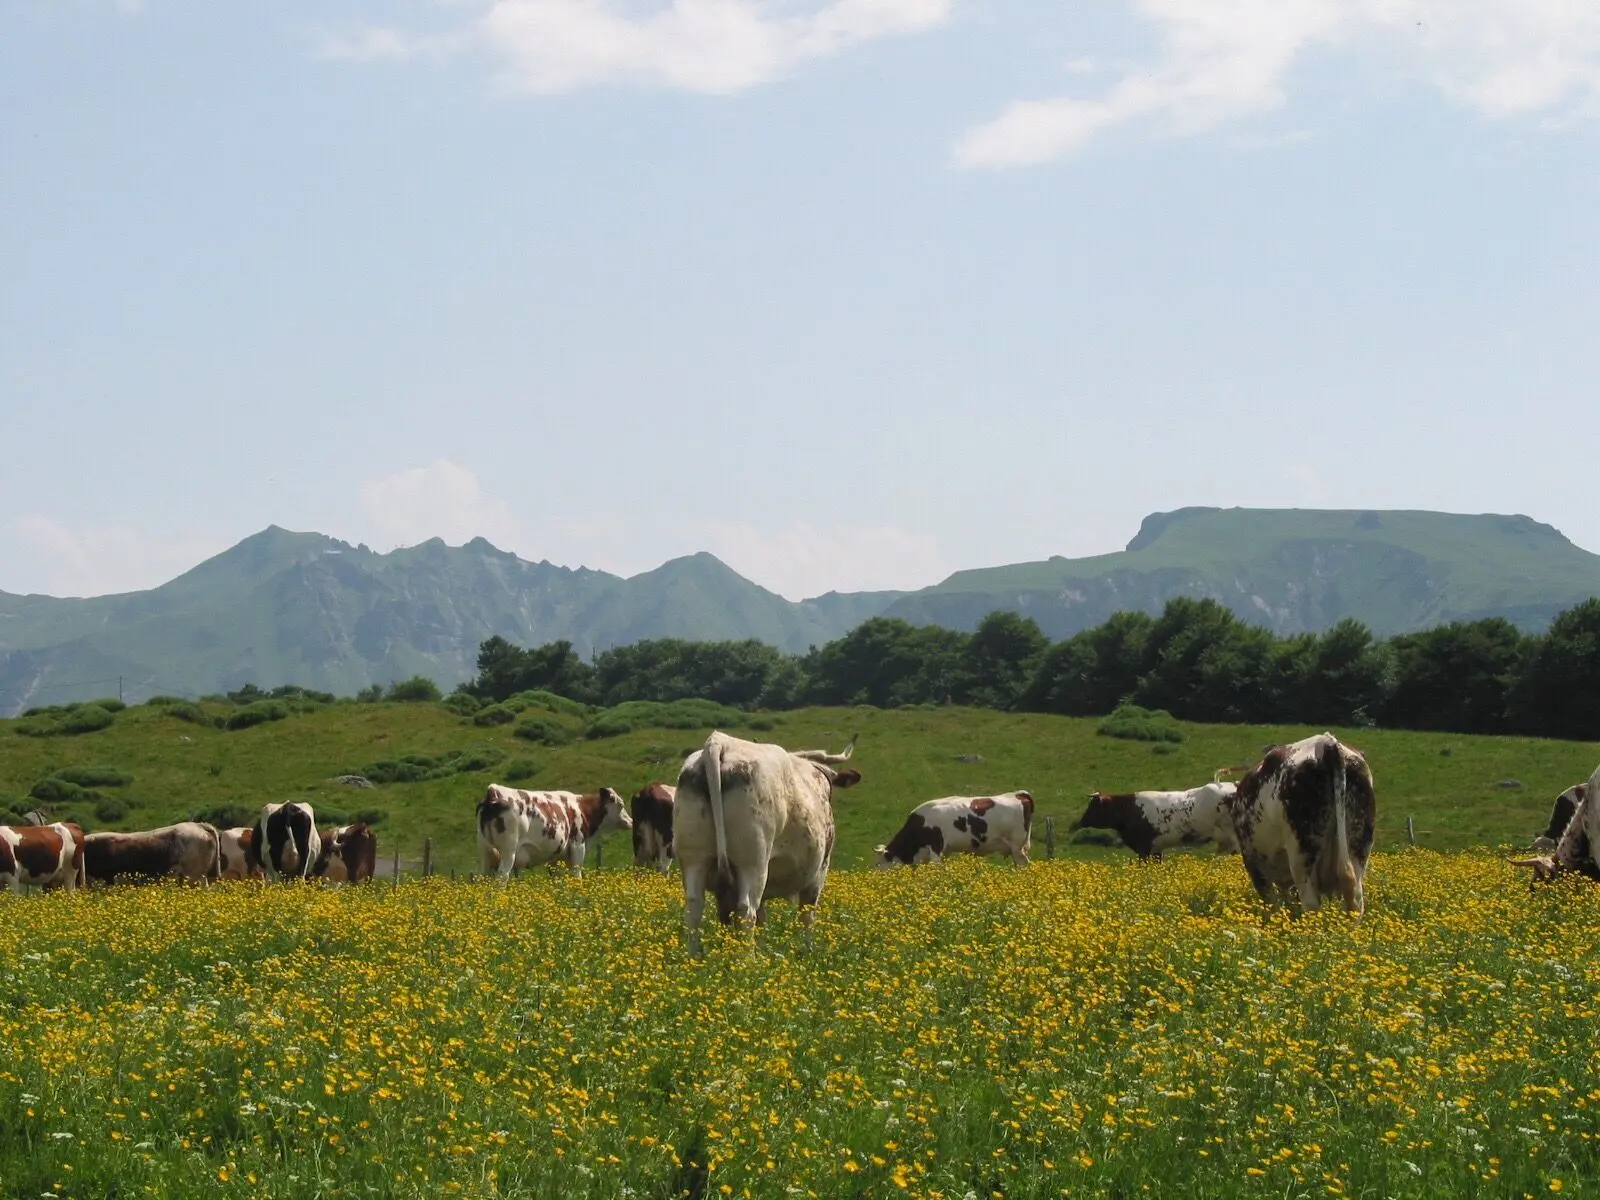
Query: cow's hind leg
[[694, 904], [1020, 856]]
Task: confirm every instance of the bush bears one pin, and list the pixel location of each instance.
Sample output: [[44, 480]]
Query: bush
[[258, 713], [549, 701], [417, 688], [463, 704], [93, 777], [519, 769], [649, 714], [546, 730], [306, 698], [1141, 724], [65, 721], [111, 704], [420, 768], [371, 816], [227, 816], [370, 695], [112, 808], [495, 714], [54, 790], [163, 701]]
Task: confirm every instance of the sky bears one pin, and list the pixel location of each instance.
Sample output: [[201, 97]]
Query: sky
[[850, 293]]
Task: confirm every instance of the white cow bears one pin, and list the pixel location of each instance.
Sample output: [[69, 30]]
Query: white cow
[[1578, 847], [754, 821], [1304, 818], [1000, 824], [518, 828], [1150, 823]]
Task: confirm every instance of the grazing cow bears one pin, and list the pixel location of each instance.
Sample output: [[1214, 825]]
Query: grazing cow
[[236, 857], [42, 856], [349, 854], [1304, 819], [1560, 817], [187, 850], [652, 826], [1000, 824], [754, 821], [519, 829], [1150, 823], [284, 841], [1576, 846]]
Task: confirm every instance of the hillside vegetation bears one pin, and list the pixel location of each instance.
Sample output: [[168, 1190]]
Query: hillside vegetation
[[153, 764]]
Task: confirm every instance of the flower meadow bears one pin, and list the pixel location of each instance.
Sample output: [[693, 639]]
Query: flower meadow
[[965, 1031]]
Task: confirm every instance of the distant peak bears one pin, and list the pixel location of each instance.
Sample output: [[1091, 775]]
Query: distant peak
[[1154, 525]]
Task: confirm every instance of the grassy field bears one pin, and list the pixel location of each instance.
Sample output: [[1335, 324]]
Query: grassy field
[[1450, 784], [1075, 1029]]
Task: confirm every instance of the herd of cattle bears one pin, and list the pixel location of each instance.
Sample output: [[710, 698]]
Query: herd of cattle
[[753, 821]]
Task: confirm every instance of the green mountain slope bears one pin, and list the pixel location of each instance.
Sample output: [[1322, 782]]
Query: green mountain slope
[[284, 607], [1291, 570]]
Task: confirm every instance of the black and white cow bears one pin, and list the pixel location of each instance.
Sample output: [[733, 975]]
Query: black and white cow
[[999, 824], [1304, 819], [1576, 847], [652, 826], [284, 841], [1150, 823], [1560, 817]]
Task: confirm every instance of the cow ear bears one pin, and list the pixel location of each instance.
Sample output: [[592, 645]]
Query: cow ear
[[844, 779]]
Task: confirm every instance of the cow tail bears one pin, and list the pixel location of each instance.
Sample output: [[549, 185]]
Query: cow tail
[[1344, 868], [80, 865], [215, 873], [711, 759]]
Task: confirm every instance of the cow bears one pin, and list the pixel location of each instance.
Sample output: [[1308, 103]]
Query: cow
[[284, 841], [187, 850], [1151, 823], [42, 856], [349, 854], [1304, 819], [1575, 848], [236, 854], [518, 828], [753, 821], [998, 824], [652, 826], [1560, 817]]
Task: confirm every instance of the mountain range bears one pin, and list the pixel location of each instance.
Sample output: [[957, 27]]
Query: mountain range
[[285, 607]]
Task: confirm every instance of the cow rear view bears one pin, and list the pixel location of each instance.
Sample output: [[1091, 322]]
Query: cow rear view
[[1304, 818]]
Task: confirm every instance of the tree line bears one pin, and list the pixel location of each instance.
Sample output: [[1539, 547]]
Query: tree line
[[1197, 660]]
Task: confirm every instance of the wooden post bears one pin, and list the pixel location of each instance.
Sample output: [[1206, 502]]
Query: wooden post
[[427, 857], [1049, 837], [452, 874], [599, 853], [397, 864], [1411, 830]]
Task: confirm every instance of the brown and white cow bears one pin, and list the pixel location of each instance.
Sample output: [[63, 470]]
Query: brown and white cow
[[236, 854], [652, 826], [754, 821], [284, 841], [1577, 845], [1150, 823], [519, 828], [999, 824], [42, 856], [349, 854], [1304, 820], [187, 850]]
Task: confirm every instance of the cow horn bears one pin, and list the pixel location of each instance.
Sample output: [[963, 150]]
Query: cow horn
[[880, 849]]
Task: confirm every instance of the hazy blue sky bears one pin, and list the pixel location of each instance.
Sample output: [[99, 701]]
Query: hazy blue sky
[[851, 293]]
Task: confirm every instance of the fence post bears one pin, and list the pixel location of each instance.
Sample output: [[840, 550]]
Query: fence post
[[1049, 837], [427, 857], [397, 864], [599, 854], [1411, 830]]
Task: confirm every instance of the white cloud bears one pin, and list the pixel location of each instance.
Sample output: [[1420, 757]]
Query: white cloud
[[443, 499], [802, 560], [1227, 59], [96, 560], [692, 45]]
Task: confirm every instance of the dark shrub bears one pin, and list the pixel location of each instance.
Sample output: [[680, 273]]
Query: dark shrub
[[163, 701], [372, 816], [1141, 724], [227, 816], [370, 695], [192, 713], [65, 722], [112, 808], [462, 761], [258, 713], [111, 704], [495, 714], [55, 790], [95, 777], [548, 701], [463, 704], [306, 696], [519, 769], [417, 688], [248, 694], [546, 730], [647, 714], [419, 768]]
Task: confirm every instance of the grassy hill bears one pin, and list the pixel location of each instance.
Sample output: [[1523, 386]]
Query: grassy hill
[[1291, 570], [1451, 784]]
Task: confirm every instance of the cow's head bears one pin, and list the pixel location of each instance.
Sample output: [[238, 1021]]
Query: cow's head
[[1103, 812], [613, 811]]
